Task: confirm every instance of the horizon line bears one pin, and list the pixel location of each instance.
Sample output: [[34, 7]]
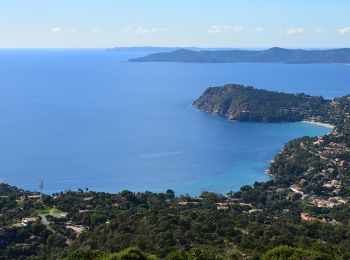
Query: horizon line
[[170, 47]]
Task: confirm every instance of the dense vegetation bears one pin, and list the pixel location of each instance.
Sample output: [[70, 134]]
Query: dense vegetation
[[301, 213], [164, 226], [275, 55], [241, 103]]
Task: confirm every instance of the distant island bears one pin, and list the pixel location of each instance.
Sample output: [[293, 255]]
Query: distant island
[[272, 55]]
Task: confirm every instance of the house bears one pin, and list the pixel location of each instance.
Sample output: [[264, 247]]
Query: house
[[88, 198], [254, 210], [58, 215], [246, 205], [199, 198], [332, 184], [335, 182], [330, 203], [328, 185], [222, 207], [84, 210], [78, 229], [36, 196], [318, 141], [28, 220], [307, 217], [296, 188]]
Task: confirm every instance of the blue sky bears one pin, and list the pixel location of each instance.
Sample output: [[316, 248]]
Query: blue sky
[[202, 23]]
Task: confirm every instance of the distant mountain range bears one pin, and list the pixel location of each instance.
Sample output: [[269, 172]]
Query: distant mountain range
[[151, 49], [272, 55], [154, 49]]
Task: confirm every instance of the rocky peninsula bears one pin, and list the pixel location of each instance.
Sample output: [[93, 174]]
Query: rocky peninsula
[[240, 103]]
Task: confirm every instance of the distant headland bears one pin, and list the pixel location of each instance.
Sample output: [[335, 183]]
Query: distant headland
[[241, 103], [272, 55]]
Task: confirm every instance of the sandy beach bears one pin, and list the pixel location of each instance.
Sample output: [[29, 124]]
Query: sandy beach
[[319, 123]]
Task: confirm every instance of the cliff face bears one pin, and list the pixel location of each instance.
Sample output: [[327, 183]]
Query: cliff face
[[237, 102], [218, 101]]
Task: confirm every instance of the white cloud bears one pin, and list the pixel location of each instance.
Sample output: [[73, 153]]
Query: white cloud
[[96, 29], [294, 31], [257, 29], [60, 29], [219, 29], [319, 30], [56, 29], [344, 30], [142, 30]]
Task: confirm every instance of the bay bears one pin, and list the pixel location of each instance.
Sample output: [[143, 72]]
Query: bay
[[80, 118]]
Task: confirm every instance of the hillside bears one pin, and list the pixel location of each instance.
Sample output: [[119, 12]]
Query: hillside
[[237, 102], [272, 55]]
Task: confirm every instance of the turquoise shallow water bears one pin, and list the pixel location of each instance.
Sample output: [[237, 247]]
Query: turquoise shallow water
[[88, 118]]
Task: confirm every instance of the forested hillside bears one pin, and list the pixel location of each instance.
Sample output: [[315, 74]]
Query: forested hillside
[[237, 102]]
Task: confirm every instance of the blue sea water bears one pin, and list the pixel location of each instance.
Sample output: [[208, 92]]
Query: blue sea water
[[88, 118]]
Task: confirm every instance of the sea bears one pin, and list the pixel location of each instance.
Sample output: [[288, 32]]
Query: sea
[[89, 119]]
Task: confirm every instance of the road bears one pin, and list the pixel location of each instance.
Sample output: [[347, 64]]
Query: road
[[45, 222]]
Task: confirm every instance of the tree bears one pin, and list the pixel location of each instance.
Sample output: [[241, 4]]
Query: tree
[[286, 252], [170, 194], [131, 253]]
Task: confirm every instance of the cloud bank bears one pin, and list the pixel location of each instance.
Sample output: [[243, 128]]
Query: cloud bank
[[344, 30], [56, 29], [61, 29], [142, 30], [294, 31], [219, 29]]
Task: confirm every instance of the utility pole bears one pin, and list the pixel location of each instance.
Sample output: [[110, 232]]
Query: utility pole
[[41, 187]]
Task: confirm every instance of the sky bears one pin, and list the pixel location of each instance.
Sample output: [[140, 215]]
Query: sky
[[176, 23]]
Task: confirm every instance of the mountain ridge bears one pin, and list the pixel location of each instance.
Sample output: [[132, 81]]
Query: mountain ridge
[[272, 55]]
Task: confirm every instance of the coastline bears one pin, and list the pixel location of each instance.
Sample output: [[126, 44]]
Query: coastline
[[319, 123]]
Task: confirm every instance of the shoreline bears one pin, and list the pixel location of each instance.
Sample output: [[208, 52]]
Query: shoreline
[[318, 123]]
